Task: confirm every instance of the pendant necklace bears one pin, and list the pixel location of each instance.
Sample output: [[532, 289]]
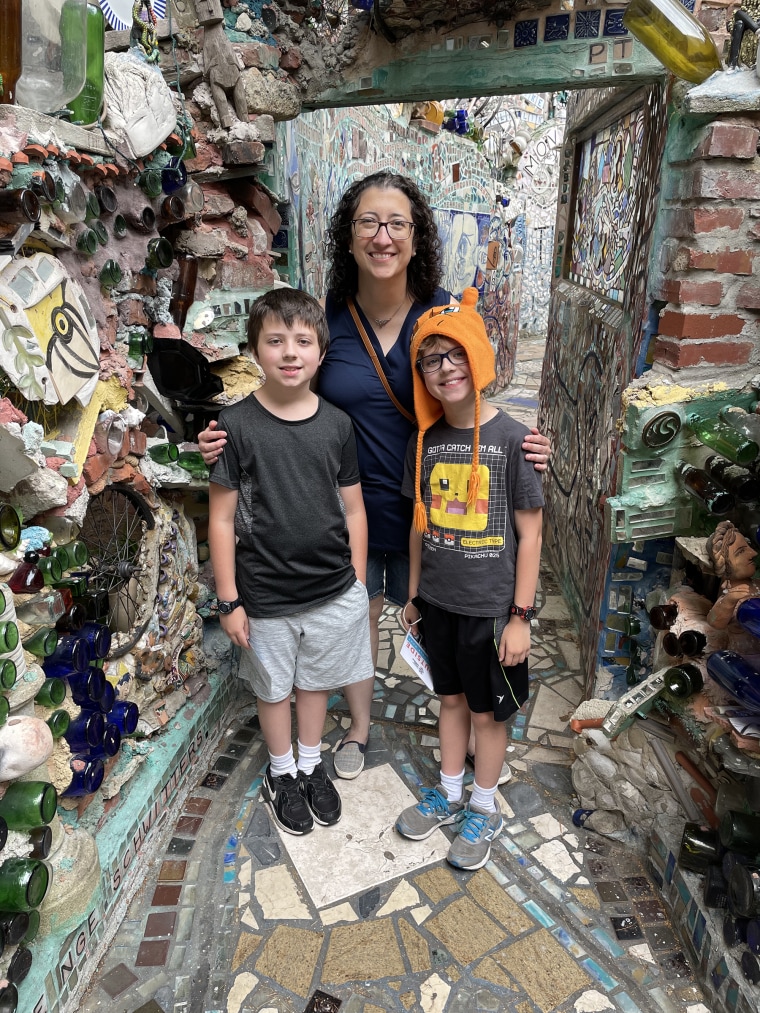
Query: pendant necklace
[[386, 320]]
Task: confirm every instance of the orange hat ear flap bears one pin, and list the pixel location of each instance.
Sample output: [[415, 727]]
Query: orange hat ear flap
[[474, 484], [420, 513]]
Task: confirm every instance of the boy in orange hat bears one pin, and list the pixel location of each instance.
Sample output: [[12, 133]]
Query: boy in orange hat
[[471, 590]]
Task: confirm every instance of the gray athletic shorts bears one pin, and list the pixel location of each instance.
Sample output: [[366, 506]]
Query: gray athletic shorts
[[323, 648]]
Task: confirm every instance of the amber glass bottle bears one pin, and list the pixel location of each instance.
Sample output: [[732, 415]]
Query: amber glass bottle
[[10, 49], [672, 34]]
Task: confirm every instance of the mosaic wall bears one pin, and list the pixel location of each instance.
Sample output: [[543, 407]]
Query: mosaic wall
[[326, 150], [592, 351]]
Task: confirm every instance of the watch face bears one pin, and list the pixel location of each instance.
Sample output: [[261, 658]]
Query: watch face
[[530, 613]]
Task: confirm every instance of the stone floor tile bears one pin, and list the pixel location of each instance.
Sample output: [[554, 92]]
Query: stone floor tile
[[465, 930], [197, 805], [160, 924], [544, 969], [153, 953], [276, 958], [367, 950], [117, 980]]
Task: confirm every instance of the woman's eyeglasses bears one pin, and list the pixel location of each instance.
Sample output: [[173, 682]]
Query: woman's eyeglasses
[[432, 363], [368, 228]]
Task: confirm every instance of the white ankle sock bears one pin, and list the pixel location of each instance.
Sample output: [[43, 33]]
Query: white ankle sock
[[284, 764], [453, 786], [483, 798], [308, 757]]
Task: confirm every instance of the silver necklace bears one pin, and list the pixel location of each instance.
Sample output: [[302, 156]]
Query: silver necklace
[[386, 320]]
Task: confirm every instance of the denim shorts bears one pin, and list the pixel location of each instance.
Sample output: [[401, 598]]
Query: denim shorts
[[388, 574]]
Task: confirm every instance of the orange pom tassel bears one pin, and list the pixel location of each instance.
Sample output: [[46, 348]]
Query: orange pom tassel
[[474, 489], [420, 517]]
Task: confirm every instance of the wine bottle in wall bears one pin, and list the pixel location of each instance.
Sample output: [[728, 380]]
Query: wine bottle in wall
[[724, 439], [28, 804], [85, 731], [27, 577], [744, 889], [42, 643], [742, 484], [24, 883], [51, 693], [748, 616], [676, 38], [691, 643], [682, 680], [43, 609], [735, 674], [87, 687], [700, 848], [662, 617], [72, 654], [747, 423], [713, 497], [19, 206], [98, 637], [740, 832], [86, 777]]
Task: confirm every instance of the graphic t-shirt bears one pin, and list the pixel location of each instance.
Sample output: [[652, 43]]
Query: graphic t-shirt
[[292, 550], [469, 553], [348, 379]]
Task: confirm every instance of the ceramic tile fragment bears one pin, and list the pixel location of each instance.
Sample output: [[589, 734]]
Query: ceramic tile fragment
[[277, 893], [591, 1002], [365, 951], [244, 873], [403, 896], [437, 884], [339, 913], [465, 930], [642, 952], [276, 959], [243, 898], [586, 896], [417, 949], [246, 945], [420, 913], [242, 987], [543, 968], [547, 826], [493, 899], [247, 918], [434, 994], [554, 856], [699, 1008]]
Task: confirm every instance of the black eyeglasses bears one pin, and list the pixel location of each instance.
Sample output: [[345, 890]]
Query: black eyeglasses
[[432, 363], [368, 228]]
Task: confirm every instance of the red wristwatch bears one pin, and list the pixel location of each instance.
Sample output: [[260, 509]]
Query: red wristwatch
[[527, 614]]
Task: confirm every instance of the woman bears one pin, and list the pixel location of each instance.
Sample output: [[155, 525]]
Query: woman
[[386, 264]]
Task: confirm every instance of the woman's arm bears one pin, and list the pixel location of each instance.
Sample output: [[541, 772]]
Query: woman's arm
[[410, 614], [537, 448], [356, 522], [212, 442], [515, 640], [221, 541]]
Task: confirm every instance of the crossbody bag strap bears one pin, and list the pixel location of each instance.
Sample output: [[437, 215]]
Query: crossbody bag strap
[[376, 362]]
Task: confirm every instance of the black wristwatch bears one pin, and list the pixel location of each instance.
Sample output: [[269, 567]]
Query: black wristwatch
[[225, 607], [526, 614]]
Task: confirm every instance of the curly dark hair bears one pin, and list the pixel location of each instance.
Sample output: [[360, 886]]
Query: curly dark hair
[[425, 268]]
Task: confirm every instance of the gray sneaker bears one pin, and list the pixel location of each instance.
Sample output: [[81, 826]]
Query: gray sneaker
[[471, 847], [433, 811]]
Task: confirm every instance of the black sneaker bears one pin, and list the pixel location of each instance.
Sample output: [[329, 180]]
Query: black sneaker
[[288, 804], [321, 796]]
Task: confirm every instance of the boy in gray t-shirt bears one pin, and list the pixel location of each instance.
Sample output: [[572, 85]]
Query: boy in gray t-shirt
[[288, 539]]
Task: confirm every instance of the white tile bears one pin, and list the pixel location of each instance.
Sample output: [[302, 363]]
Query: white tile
[[554, 856], [364, 849], [420, 913], [591, 1001], [339, 913], [642, 952], [247, 918], [242, 987], [550, 710], [434, 994], [244, 899], [402, 897], [547, 826], [277, 893], [244, 875]]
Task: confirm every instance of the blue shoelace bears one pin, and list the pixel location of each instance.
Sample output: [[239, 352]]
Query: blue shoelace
[[433, 802], [473, 824]]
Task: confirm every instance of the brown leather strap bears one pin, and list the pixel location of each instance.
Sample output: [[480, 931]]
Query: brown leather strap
[[376, 362]]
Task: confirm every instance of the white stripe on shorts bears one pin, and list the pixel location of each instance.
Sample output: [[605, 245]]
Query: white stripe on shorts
[[323, 648]]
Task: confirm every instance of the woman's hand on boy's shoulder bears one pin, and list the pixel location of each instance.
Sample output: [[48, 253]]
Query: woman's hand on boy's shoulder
[[235, 625], [538, 449], [211, 442]]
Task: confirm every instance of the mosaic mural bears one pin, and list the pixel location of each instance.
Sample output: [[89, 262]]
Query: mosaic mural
[[592, 350], [606, 205], [328, 149]]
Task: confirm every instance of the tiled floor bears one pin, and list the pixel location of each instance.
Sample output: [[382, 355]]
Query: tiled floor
[[237, 918]]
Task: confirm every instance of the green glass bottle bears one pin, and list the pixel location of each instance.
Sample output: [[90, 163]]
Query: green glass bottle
[[59, 722], [110, 274], [699, 848], [740, 832], [52, 693], [14, 925], [8, 636], [674, 36], [51, 569], [28, 804], [10, 527], [683, 680], [74, 553], [87, 242], [42, 643], [723, 438], [120, 226], [23, 884], [101, 232], [713, 497], [160, 254], [33, 927], [76, 585], [8, 673], [192, 461], [5, 709], [85, 108], [149, 182], [93, 208], [163, 453]]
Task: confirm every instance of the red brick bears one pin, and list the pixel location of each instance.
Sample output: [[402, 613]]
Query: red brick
[[677, 222], [125, 473], [713, 183], [680, 354], [291, 59], [132, 312], [728, 140], [728, 261], [243, 153], [19, 158], [138, 442], [708, 220], [36, 151], [166, 331], [755, 231], [144, 284], [736, 261], [255, 199], [6, 165], [704, 293], [748, 296], [254, 272], [678, 324], [142, 485], [95, 468]]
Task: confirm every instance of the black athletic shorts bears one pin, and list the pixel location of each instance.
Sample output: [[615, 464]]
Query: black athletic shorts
[[464, 658]]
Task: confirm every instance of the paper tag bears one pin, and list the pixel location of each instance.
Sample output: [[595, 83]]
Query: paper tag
[[415, 656]]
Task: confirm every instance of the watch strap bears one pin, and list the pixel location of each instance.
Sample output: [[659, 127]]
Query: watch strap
[[229, 606]]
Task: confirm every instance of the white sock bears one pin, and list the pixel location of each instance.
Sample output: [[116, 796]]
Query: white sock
[[453, 786], [284, 764], [483, 798], [309, 757]]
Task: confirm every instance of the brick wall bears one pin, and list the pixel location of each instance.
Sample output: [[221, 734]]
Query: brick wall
[[710, 251]]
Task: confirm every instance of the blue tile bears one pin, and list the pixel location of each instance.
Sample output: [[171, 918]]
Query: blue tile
[[732, 995], [670, 868], [390, 711], [613, 23], [613, 948], [229, 876], [719, 973], [626, 1004], [556, 27], [587, 24], [516, 893], [568, 942], [538, 913], [599, 974], [682, 888], [526, 33]]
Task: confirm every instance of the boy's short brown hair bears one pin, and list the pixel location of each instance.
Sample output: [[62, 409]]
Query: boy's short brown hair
[[289, 305]]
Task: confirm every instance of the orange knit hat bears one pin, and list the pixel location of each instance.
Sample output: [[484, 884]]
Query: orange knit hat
[[464, 325]]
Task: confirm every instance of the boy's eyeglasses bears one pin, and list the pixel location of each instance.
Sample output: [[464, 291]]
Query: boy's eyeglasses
[[432, 363], [368, 228]]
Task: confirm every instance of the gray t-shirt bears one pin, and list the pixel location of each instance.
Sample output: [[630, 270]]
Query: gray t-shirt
[[292, 550], [469, 553]]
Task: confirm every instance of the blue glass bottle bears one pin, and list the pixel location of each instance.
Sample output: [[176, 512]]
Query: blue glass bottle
[[85, 731], [87, 687], [124, 714], [98, 637], [736, 675], [110, 745], [71, 655], [105, 701], [86, 777], [748, 615]]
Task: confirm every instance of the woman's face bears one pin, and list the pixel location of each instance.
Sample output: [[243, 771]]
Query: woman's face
[[382, 258], [740, 564]]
